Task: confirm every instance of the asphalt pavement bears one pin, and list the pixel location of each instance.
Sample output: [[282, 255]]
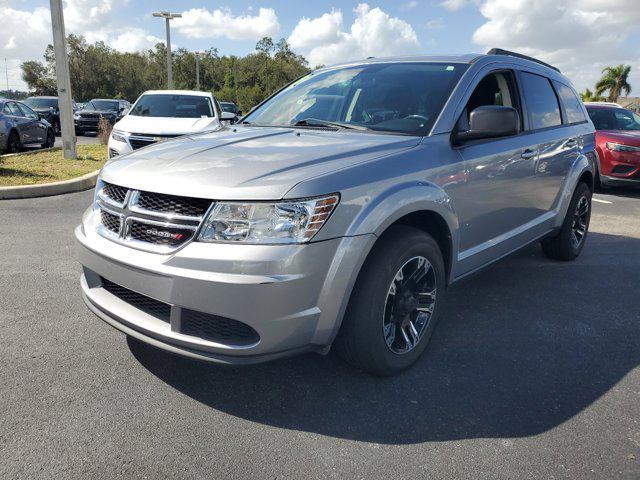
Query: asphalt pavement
[[533, 372]]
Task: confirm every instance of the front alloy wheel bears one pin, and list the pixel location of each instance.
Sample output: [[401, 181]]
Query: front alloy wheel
[[410, 302], [393, 308]]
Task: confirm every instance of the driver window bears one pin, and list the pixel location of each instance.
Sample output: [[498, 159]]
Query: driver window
[[494, 89]]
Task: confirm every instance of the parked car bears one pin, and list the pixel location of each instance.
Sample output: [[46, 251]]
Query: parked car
[[618, 144], [20, 127], [231, 108], [47, 108], [89, 117], [159, 115], [340, 210]]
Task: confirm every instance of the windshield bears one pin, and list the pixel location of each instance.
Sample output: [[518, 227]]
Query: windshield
[[102, 105], [402, 98], [614, 119], [174, 106], [228, 107], [39, 103]]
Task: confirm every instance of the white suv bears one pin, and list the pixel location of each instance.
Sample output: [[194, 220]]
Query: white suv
[[158, 115]]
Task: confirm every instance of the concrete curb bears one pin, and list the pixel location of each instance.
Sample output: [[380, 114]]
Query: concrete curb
[[79, 184]]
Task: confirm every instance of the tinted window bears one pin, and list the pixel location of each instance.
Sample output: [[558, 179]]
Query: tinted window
[[392, 97], [614, 119], [42, 103], [103, 105], [173, 106], [26, 111], [541, 101], [572, 105], [494, 89], [228, 107], [12, 109]]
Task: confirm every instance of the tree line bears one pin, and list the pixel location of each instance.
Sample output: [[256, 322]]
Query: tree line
[[99, 71]]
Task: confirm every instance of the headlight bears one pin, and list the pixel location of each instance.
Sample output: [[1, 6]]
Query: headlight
[[76, 116], [296, 221], [619, 147], [118, 136]]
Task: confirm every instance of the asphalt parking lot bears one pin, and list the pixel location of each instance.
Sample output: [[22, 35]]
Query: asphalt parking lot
[[532, 373]]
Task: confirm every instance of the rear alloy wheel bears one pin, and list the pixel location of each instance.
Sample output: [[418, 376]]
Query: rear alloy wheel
[[570, 240], [392, 311], [51, 139], [13, 143]]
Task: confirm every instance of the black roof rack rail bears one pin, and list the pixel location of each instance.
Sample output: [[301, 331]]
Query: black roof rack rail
[[500, 51]]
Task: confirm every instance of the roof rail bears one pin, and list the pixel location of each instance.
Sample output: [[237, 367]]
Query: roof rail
[[500, 51]]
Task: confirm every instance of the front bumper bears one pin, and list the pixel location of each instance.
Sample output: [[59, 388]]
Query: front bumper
[[293, 296], [620, 168]]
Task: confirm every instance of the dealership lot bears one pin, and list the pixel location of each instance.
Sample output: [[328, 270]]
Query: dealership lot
[[533, 373]]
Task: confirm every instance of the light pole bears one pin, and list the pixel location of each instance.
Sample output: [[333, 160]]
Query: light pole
[[63, 80], [197, 70], [168, 16]]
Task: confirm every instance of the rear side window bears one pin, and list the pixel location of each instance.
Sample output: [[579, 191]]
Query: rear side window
[[541, 101], [572, 105], [12, 109]]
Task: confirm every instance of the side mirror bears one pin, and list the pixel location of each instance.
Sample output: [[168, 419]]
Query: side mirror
[[490, 121], [227, 116]]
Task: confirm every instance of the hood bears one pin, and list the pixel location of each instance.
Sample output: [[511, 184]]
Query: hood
[[627, 137], [247, 163], [165, 125]]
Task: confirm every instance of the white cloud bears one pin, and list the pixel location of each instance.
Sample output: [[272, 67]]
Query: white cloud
[[409, 5], [324, 41], [322, 30], [135, 40], [202, 23], [90, 18], [578, 36], [454, 5]]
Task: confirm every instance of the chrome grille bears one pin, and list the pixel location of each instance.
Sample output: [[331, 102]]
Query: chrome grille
[[193, 207], [110, 221], [148, 221], [159, 235], [137, 143], [114, 192]]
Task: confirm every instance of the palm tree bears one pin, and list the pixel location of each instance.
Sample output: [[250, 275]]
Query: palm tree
[[589, 96], [614, 79]]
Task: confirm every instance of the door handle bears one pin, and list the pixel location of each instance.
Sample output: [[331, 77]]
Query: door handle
[[528, 153], [572, 142]]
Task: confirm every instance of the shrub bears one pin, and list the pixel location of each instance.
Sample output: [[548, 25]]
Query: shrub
[[104, 130]]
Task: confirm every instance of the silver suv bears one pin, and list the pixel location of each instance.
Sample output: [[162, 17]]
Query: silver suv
[[340, 209]]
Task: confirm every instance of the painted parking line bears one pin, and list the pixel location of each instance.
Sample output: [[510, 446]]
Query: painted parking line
[[601, 201]]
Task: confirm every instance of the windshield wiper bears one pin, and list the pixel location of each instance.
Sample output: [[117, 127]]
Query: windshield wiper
[[314, 122]]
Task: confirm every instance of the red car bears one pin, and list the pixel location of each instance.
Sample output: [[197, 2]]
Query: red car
[[618, 144]]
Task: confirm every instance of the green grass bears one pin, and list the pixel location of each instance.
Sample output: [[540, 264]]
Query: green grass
[[50, 166]]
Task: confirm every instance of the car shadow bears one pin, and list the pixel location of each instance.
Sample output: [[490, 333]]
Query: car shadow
[[521, 348], [629, 192]]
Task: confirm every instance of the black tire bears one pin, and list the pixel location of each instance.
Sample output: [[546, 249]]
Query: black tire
[[566, 245], [361, 340], [51, 139], [14, 145], [56, 128]]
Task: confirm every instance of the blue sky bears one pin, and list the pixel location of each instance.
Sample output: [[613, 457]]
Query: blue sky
[[579, 36]]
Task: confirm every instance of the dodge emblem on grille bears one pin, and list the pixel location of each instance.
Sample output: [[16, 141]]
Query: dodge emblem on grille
[[164, 234]]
